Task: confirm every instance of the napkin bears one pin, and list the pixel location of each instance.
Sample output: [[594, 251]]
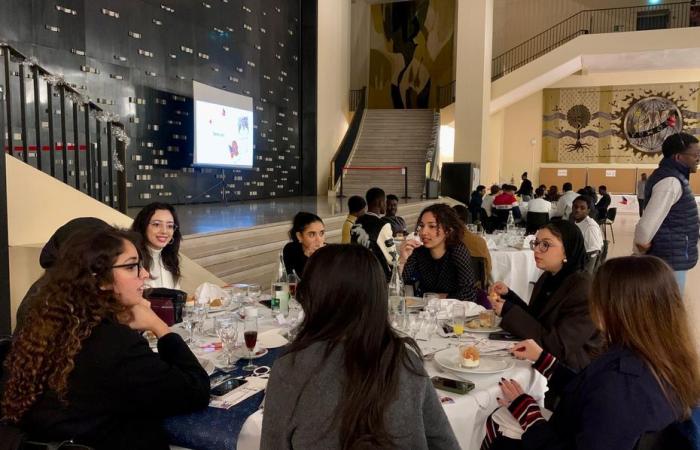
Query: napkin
[[272, 338], [491, 243], [206, 292], [509, 426]]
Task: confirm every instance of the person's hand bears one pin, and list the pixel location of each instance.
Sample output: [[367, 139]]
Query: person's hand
[[500, 288], [643, 248], [527, 349], [511, 390], [144, 319], [407, 248]]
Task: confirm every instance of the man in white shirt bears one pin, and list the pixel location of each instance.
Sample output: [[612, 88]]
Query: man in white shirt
[[565, 202], [487, 202], [670, 224], [592, 236], [641, 187], [539, 204]]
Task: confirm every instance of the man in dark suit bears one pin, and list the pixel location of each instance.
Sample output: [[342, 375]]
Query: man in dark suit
[[603, 204]]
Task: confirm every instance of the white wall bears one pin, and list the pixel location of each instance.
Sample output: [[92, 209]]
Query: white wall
[[359, 44], [333, 83], [37, 205]]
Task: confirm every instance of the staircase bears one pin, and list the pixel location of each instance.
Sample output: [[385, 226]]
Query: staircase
[[394, 138], [250, 255]]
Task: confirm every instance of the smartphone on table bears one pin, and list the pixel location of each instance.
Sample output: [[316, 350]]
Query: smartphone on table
[[451, 385], [227, 386]]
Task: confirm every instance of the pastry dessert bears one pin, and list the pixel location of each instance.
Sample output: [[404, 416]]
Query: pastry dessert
[[470, 356], [215, 302]]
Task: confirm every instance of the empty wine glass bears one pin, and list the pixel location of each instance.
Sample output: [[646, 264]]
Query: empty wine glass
[[414, 324], [254, 292], [227, 331], [188, 321]]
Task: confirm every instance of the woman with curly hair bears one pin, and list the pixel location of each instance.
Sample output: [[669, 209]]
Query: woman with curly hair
[[159, 227], [79, 368], [439, 262]]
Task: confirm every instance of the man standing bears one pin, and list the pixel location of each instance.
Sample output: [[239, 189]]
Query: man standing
[[670, 225], [603, 204], [565, 202], [641, 186], [374, 232], [525, 191], [475, 203], [398, 225]]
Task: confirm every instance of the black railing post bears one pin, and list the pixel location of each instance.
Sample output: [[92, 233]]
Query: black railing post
[[37, 116], [88, 152], [52, 141], [342, 172], [405, 182], [98, 148], [5, 302], [23, 113], [76, 146], [64, 137], [8, 99], [110, 165]]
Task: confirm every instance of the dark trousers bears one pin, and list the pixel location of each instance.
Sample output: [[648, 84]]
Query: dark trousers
[[641, 206], [504, 443]]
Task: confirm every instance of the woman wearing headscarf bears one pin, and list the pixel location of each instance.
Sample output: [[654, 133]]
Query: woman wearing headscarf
[[557, 316]]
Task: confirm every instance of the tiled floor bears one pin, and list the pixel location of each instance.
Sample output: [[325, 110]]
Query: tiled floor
[[624, 233], [206, 218]]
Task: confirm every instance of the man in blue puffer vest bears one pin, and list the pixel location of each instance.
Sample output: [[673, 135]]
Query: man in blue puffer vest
[[670, 225]]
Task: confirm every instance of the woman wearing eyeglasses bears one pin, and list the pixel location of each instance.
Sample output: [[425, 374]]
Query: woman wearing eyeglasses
[[557, 316], [159, 228], [79, 368]]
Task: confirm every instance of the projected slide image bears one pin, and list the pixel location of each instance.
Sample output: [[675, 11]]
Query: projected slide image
[[224, 135]]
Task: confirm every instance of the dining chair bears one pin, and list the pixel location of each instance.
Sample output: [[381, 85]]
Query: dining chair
[[608, 222]]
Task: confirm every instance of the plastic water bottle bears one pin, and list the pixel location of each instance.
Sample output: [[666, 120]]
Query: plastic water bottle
[[510, 223]]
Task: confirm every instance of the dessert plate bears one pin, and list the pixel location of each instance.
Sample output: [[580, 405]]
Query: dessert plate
[[450, 359]]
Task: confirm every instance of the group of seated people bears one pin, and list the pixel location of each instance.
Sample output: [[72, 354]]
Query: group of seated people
[[616, 347]]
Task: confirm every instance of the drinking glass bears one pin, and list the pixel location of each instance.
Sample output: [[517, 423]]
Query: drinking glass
[[193, 316], [254, 291], [250, 334], [227, 331], [459, 316], [414, 324], [471, 228], [429, 325], [293, 280]]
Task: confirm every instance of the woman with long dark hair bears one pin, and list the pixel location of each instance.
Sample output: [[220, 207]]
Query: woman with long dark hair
[[439, 262], [308, 234], [348, 381], [557, 316], [159, 227], [647, 378], [79, 368]]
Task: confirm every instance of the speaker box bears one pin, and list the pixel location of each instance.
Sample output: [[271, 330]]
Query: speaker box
[[456, 181], [432, 188]]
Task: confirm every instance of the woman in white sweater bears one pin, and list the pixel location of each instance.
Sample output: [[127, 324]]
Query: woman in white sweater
[[158, 225]]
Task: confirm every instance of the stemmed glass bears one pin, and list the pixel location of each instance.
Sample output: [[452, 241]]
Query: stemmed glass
[[254, 292], [227, 331], [250, 334], [459, 315], [192, 317], [414, 324]]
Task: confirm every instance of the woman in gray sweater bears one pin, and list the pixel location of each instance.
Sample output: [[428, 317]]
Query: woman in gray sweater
[[348, 381]]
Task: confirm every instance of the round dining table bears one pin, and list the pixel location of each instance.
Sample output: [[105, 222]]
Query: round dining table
[[516, 268]]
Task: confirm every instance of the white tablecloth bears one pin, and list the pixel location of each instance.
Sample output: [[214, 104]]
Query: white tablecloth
[[467, 415], [516, 268]]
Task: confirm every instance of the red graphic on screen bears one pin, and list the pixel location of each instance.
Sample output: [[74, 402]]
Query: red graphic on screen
[[233, 149]]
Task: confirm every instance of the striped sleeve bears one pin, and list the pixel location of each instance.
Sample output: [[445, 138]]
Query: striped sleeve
[[545, 364], [526, 411]]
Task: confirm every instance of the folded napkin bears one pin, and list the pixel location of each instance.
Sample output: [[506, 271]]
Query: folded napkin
[[509, 426], [272, 338], [206, 292]]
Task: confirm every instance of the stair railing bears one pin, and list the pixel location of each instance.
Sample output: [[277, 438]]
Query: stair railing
[[342, 155], [104, 148]]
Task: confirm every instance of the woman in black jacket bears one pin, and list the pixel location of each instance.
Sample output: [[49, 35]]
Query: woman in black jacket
[[79, 368], [648, 377], [557, 316]]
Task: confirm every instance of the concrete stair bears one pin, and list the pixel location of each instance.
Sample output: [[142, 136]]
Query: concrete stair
[[250, 255], [392, 137]]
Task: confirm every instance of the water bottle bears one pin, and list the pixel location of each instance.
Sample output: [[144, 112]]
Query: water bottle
[[280, 289], [510, 223], [397, 297]]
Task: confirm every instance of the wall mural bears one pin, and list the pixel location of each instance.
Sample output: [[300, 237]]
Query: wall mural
[[137, 60], [411, 52], [616, 124]]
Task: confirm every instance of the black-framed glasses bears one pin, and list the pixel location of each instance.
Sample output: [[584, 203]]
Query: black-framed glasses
[[170, 226], [138, 265], [542, 246]]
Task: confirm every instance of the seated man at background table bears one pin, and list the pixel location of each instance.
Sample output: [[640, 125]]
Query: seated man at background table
[[603, 204], [565, 202], [539, 204], [487, 202], [592, 236], [475, 244], [398, 225], [356, 208]]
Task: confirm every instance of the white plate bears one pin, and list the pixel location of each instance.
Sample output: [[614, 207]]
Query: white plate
[[243, 353], [482, 330], [450, 359]]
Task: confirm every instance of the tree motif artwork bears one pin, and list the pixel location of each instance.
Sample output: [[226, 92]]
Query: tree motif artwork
[[578, 117]]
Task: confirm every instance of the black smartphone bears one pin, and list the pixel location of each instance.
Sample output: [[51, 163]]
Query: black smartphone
[[227, 386], [451, 385], [504, 336]]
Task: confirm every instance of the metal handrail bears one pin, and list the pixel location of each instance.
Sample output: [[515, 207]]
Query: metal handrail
[[590, 21], [342, 155]]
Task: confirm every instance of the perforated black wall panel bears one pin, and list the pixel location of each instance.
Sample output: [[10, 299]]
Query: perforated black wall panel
[[138, 58]]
